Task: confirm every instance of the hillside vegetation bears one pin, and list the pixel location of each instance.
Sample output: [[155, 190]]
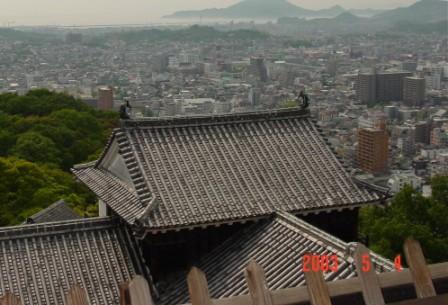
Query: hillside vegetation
[[42, 135]]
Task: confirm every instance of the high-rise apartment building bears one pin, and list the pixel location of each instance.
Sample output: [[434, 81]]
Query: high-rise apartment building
[[389, 86], [105, 98], [414, 90], [258, 68], [372, 88], [410, 66], [423, 132], [366, 88], [373, 149]]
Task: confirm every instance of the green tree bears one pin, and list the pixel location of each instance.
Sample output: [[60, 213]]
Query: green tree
[[410, 215], [26, 188], [7, 140], [42, 135], [33, 146]]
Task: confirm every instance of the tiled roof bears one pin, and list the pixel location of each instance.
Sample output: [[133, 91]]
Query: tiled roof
[[58, 211], [199, 170], [41, 262], [112, 191], [278, 245]]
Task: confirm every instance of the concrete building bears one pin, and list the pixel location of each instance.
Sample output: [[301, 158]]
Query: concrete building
[[414, 90], [389, 86], [434, 81], [372, 88], [401, 178], [391, 112], [105, 98], [332, 67], [373, 149], [422, 132], [410, 66], [439, 137], [366, 88], [406, 144], [258, 68]]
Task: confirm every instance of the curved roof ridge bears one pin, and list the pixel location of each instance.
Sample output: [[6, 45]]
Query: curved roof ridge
[[315, 232], [215, 118], [55, 227]]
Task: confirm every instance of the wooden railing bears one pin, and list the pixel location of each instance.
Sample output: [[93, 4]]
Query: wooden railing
[[318, 292]]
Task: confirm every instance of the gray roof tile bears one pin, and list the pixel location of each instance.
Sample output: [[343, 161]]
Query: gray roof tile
[[58, 211], [278, 245], [39, 263], [221, 168]]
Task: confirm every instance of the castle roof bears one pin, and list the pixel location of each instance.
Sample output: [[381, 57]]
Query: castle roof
[[279, 246], [166, 173], [41, 262], [58, 211]]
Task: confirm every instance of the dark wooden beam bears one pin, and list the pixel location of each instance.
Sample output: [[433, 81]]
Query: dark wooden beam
[[437, 300]]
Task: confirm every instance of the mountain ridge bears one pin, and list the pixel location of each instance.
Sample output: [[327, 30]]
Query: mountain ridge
[[430, 10], [259, 9]]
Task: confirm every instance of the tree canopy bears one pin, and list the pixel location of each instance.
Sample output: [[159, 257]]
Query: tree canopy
[[42, 135], [26, 188], [410, 214]]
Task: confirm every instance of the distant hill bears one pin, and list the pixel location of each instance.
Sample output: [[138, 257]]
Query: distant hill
[[425, 16], [259, 9], [369, 12], [423, 11], [248, 9], [347, 17], [330, 12]]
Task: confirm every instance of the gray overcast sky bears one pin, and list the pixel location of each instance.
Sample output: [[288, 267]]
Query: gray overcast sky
[[70, 12]]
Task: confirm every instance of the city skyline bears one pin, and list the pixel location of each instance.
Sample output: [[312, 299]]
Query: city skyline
[[83, 12]]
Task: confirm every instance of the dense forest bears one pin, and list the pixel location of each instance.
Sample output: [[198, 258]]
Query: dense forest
[[42, 135], [410, 215]]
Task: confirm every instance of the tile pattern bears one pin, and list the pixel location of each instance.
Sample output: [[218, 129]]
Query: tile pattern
[[278, 245], [58, 211], [222, 168], [112, 191], [41, 262]]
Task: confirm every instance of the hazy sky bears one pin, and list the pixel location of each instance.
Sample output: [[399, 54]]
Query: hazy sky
[[70, 12]]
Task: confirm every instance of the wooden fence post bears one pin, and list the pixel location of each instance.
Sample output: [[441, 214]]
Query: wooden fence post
[[10, 299], [139, 292], [256, 281], [125, 298], [419, 270], [317, 288], [77, 296], [198, 287], [371, 289]]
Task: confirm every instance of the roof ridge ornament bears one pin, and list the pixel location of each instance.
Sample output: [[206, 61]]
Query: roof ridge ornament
[[126, 110]]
